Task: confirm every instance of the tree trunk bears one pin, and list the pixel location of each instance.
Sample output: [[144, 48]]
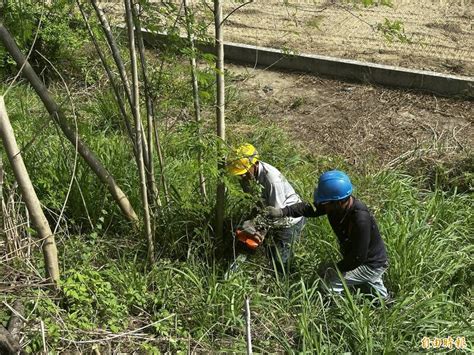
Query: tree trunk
[[10, 336], [40, 222], [16, 322], [59, 117], [197, 105], [220, 193], [150, 171], [8, 345], [138, 127]]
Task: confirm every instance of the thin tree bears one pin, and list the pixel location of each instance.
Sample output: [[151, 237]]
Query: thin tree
[[114, 48], [155, 121], [138, 128], [220, 102], [150, 173], [146, 141], [152, 190], [59, 117], [40, 223], [197, 104]]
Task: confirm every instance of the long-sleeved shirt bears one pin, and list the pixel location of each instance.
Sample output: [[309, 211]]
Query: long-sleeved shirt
[[356, 230], [277, 191]]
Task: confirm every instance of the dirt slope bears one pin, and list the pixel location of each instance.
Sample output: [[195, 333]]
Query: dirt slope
[[360, 123], [440, 32]]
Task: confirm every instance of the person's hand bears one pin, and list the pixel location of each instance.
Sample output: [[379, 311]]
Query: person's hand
[[260, 237], [249, 227], [273, 212]]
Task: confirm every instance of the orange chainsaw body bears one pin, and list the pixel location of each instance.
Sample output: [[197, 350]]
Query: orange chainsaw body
[[250, 240]]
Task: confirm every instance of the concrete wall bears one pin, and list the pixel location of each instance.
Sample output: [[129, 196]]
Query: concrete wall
[[342, 69]]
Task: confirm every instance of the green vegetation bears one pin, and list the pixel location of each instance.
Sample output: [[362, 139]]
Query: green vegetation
[[56, 30], [393, 31], [185, 301]]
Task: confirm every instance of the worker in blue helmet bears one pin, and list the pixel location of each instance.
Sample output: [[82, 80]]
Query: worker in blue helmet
[[364, 257]]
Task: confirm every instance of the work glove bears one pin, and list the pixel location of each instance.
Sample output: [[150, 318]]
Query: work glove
[[273, 212], [257, 232], [249, 227]]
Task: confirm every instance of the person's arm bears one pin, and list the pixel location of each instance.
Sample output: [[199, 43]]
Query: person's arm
[[301, 209], [360, 236]]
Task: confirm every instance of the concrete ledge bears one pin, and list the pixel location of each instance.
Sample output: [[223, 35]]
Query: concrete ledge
[[342, 69]]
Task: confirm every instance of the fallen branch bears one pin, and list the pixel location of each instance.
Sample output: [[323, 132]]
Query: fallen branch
[[28, 193], [117, 335]]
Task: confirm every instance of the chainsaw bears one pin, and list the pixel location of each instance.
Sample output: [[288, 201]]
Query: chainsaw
[[251, 234]]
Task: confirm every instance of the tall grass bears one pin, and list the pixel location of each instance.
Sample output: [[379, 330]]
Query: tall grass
[[429, 239]]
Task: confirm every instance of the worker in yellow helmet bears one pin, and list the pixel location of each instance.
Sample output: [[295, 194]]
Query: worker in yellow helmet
[[276, 192]]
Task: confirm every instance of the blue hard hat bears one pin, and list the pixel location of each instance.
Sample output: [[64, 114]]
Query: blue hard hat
[[333, 185]]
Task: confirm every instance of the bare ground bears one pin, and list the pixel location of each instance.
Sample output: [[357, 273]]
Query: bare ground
[[360, 123], [439, 33]]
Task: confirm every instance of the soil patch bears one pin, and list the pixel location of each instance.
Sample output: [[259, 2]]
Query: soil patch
[[438, 33], [360, 123]]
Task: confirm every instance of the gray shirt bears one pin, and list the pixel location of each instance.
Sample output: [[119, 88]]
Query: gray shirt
[[277, 192]]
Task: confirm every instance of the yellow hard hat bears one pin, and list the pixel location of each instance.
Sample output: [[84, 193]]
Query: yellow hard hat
[[244, 157]]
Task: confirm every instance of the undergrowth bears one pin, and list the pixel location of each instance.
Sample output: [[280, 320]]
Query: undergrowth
[[107, 285]]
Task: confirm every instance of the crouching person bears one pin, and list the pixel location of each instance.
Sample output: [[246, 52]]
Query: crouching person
[[277, 192], [364, 257]]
